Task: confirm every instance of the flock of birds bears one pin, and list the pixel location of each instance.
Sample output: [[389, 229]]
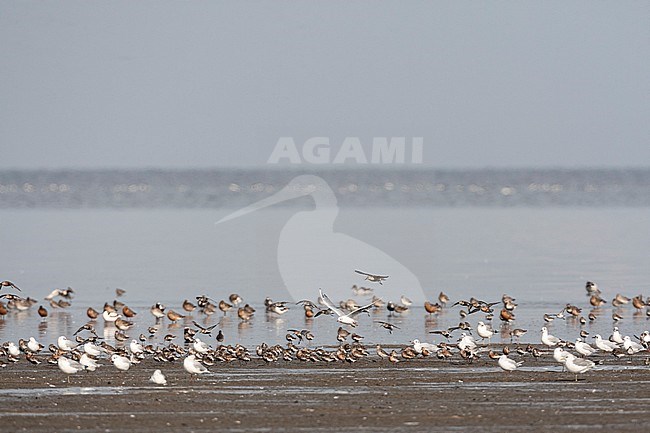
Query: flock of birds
[[86, 349]]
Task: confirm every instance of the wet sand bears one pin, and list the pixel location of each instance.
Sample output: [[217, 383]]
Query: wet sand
[[371, 395]]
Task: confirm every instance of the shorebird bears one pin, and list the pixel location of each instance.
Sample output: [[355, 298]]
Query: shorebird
[[86, 327], [235, 299], [362, 291], [342, 334], [173, 316], [42, 312], [110, 316], [158, 310], [405, 301], [65, 293], [597, 301], [644, 338], [188, 306], [244, 314], [346, 319], [508, 364], [444, 332], [92, 313], [432, 308], [119, 292], [120, 335], [277, 308], [592, 288], [309, 312], [158, 378], [517, 333], [373, 278], [638, 302], [620, 300], [128, 312], [506, 315], [508, 302], [123, 325], [8, 284], [443, 299], [388, 326], [573, 310], [548, 339], [392, 307], [381, 352], [224, 306], [204, 330], [308, 304], [548, 318]]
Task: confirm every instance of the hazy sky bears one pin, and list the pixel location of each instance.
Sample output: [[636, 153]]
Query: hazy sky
[[193, 83]]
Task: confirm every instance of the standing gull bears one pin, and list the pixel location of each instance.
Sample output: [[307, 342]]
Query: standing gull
[[577, 365], [548, 339], [508, 364], [605, 345], [193, 366]]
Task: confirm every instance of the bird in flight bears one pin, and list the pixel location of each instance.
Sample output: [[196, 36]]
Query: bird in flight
[[8, 284], [388, 326], [372, 277], [346, 319]]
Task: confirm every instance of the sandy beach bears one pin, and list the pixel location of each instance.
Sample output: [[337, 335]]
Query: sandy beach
[[371, 394]]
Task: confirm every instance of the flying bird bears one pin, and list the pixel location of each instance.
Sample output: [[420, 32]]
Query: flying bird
[[346, 319], [8, 284], [373, 278], [388, 326]]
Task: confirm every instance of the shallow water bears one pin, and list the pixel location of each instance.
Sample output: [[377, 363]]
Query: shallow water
[[541, 256]]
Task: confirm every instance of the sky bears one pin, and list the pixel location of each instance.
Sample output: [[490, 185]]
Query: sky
[[126, 84]]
